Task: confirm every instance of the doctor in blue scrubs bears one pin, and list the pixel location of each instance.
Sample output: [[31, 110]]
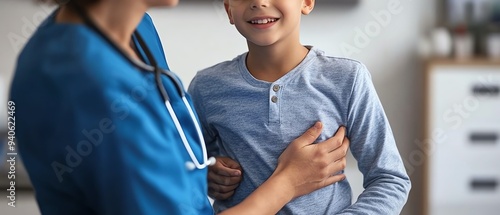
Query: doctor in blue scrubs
[[104, 127]]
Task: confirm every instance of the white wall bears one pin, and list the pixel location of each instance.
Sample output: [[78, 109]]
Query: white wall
[[197, 34]]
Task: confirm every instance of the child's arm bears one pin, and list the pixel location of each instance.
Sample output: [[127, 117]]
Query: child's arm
[[386, 182], [302, 168]]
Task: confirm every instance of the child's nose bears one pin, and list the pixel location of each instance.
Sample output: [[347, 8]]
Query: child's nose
[[259, 3]]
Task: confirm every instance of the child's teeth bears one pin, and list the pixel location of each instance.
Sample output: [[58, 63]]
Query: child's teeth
[[263, 21]]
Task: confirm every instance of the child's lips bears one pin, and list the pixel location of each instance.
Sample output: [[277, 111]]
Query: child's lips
[[263, 23]]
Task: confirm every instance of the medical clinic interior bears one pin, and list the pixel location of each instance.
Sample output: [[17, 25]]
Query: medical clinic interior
[[435, 65]]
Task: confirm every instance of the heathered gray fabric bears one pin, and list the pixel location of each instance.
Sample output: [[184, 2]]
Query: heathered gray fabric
[[241, 121]]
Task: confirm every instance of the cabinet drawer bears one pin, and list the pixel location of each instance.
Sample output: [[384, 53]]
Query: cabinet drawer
[[459, 96], [479, 140], [465, 183]]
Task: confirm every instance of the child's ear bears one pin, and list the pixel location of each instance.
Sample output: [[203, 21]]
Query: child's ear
[[228, 11], [307, 6]]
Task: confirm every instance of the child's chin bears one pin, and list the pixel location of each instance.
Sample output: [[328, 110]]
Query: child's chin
[[264, 43]]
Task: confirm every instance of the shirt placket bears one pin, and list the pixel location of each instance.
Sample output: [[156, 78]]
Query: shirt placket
[[275, 103]]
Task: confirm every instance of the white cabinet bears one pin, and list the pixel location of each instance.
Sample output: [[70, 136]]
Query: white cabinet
[[462, 171]]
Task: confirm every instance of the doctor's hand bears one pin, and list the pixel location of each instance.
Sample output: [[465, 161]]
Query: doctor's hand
[[309, 166], [223, 178]]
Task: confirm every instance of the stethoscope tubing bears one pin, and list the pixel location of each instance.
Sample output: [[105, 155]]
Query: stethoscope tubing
[[194, 163]]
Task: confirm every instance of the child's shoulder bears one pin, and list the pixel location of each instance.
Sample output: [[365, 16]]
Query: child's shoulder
[[223, 68], [337, 67], [345, 64]]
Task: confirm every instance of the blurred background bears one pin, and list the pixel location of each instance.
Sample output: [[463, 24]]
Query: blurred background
[[435, 65]]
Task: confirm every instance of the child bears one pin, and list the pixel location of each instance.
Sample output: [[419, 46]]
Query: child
[[279, 88], [94, 131]]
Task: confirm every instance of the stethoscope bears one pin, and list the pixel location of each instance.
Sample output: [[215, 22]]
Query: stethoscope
[[194, 163]]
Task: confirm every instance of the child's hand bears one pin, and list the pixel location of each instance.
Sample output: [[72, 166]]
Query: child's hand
[[309, 166], [223, 178]]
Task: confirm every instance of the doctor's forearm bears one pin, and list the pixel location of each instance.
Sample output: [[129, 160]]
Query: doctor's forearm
[[269, 198]]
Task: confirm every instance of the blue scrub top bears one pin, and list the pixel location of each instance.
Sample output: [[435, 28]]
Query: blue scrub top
[[93, 131]]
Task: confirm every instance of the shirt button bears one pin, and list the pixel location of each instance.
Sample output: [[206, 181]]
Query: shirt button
[[276, 88], [274, 99]]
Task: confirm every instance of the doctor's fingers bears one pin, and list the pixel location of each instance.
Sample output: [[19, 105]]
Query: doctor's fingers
[[333, 179], [339, 153], [335, 145], [337, 166]]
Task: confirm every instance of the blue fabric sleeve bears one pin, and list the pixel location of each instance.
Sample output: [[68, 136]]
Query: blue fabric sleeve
[[374, 147]]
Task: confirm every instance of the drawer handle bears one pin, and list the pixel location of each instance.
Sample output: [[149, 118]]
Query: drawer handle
[[483, 184], [486, 90], [483, 137]]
